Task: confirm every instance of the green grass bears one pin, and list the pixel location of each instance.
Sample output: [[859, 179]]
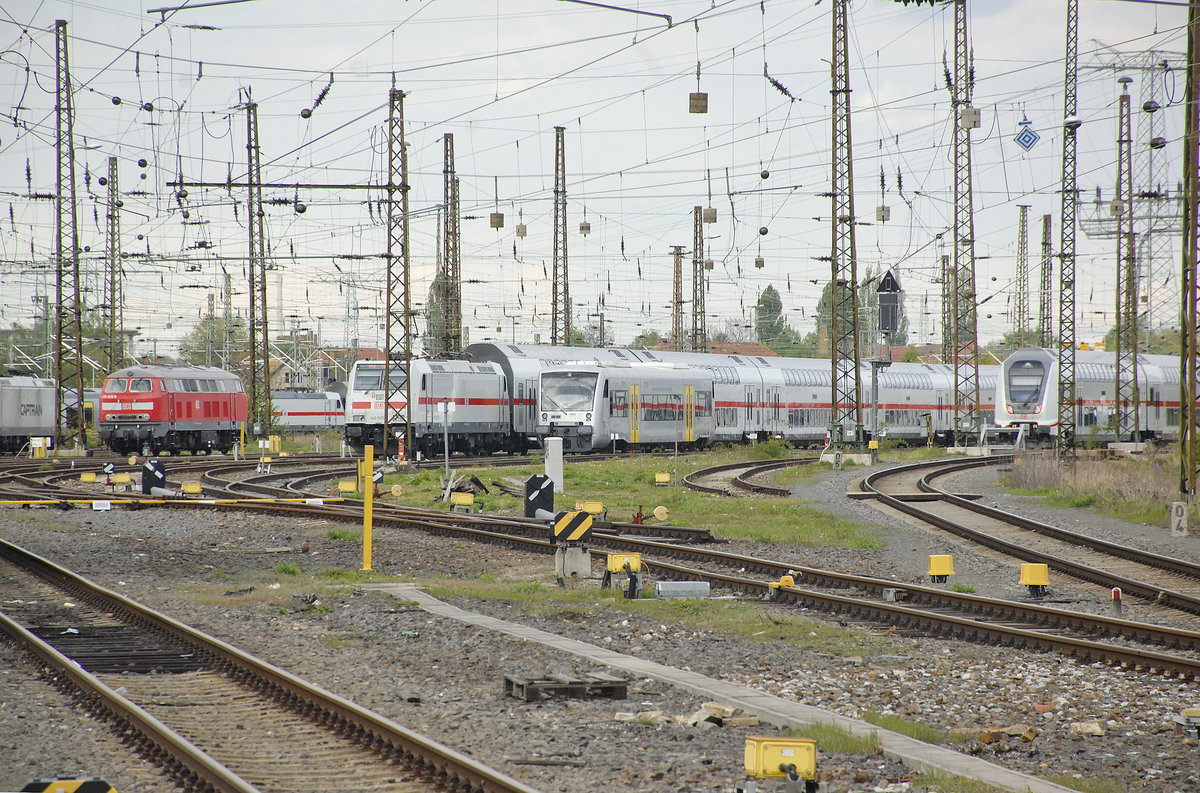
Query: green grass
[[343, 533], [287, 568], [752, 620], [1086, 785], [913, 729], [351, 577], [949, 783], [965, 589], [626, 484], [832, 738]]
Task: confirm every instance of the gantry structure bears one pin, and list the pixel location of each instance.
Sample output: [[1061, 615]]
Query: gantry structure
[[560, 293], [1065, 440], [1126, 330], [259, 392], [699, 340]]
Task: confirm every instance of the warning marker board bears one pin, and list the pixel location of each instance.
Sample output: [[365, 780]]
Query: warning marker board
[[93, 785], [574, 526]]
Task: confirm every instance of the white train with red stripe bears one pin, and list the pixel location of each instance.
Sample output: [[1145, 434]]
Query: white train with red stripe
[[473, 397], [308, 411], [1028, 396], [751, 397]]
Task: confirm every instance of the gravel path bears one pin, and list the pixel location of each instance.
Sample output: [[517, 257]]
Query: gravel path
[[387, 654]]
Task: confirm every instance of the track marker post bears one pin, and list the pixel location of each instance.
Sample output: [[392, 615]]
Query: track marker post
[[368, 465]]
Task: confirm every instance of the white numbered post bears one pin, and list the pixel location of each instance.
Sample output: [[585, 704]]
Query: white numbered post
[[1179, 527]]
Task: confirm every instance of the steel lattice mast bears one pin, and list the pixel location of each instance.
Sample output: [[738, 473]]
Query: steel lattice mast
[[699, 331], [451, 330], [947, 306], [678, 342], [1189, 373], [560, 295], [114, 297], [846, 407], [1066, 278], [966, 348], [1045, 327], [398, 323], [68, 336], [1021, 304], [227, 341], [1126, 389], [260, 345]]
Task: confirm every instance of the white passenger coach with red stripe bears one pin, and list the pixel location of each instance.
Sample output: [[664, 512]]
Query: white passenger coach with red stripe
[[473, 396]]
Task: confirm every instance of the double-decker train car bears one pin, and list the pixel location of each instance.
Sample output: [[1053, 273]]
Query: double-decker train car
[[1028, 396], [171, 408], [308, 411], [754, 397], [26, 411], [464, 403]]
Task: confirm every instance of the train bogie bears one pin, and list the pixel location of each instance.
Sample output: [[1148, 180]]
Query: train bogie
[[171, 408], [26, 411]]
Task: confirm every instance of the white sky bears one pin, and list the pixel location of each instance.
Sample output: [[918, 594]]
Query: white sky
[[501, 76]]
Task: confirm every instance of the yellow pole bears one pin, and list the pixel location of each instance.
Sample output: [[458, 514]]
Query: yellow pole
[[368, 465]]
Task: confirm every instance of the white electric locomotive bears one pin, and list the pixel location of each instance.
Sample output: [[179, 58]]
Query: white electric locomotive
[[1028, 395], [26, 411], [459, 401]]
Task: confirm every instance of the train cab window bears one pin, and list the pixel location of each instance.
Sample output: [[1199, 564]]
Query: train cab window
[[116, 385], [618, 404], [569, 390], [141, 385]]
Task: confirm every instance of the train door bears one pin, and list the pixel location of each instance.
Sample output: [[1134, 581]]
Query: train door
[[753, 411], [689, 414], [635, 414]]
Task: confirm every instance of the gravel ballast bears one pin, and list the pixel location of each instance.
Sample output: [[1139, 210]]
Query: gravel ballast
[[384, 653]]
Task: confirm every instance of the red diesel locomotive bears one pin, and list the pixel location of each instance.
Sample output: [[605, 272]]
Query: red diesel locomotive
[[171, 408]]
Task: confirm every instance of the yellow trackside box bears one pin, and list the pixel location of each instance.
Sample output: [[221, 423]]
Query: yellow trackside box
[[1034, 575], [941, 564], [765, 754], [616, 562], [191, 488], [662, 478], [87, 476], [458, 499], [121, 479], [590, 507], [347, 486]]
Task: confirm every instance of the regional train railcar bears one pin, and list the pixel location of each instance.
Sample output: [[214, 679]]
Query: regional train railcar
[[1028, 395], [305, 411], [597, 406], [459, 401], [171, 408], [26, 411]]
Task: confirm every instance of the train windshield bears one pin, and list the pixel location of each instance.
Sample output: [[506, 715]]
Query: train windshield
[[370, 378], [568, 390], [116, 385], [1025, 382]]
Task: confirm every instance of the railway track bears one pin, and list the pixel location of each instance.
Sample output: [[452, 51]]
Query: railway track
[[1162, 581], [215, 718], [906, 606], [743, 481]]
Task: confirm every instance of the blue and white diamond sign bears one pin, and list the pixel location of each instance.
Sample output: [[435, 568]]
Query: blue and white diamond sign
[[1026, 138]]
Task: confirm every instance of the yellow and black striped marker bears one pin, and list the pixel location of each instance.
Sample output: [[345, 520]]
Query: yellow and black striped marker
[[93, 785], [572, 527]]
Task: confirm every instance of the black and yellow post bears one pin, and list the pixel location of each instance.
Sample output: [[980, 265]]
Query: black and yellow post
[[572, 530], [367, 466]]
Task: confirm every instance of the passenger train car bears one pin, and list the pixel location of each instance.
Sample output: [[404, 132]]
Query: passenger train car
[[171, 408], [1028, 395], [753, 397], [26, 411], [307, 411], [473, 397]]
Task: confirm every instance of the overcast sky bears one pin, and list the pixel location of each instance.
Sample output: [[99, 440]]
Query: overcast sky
[[500, 76]]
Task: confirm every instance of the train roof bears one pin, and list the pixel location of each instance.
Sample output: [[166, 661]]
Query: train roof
[[174, 370]]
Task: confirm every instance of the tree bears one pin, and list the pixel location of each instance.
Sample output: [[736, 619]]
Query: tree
[[647, 339], [732, 331], [768, 315], [205, 345]]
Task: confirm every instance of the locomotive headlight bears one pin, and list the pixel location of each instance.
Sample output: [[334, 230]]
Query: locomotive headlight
[[588, 417], [545, 415]]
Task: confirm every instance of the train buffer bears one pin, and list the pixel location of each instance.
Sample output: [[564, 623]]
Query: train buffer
[[593, 684]]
